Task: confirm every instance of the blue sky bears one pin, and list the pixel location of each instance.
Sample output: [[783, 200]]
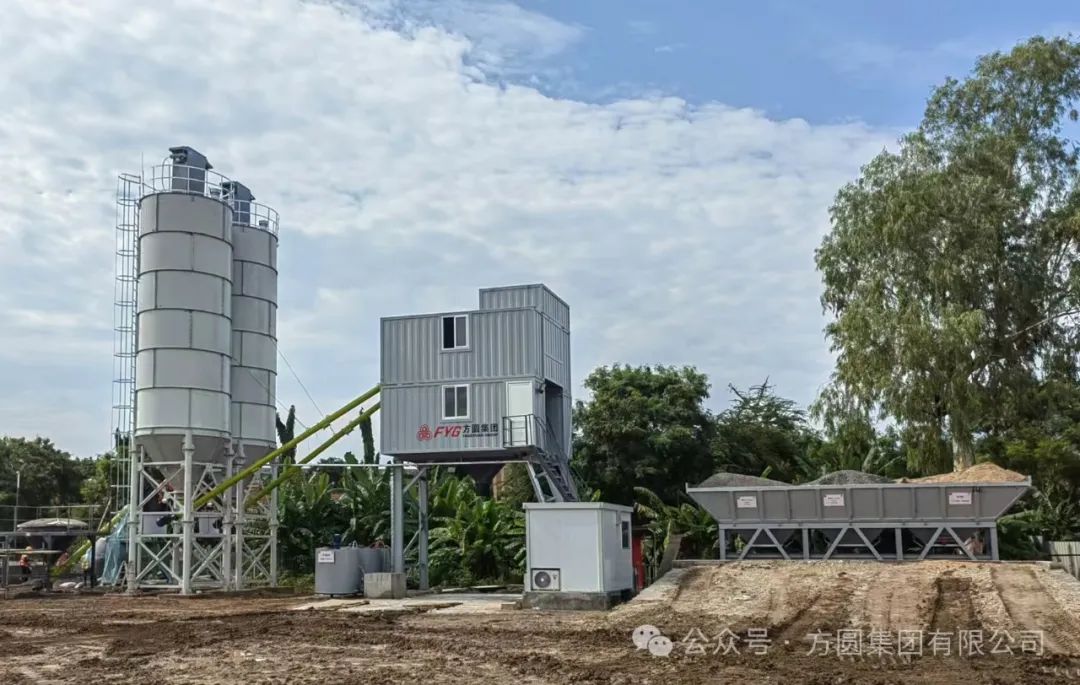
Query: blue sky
[[666, 168], [822, 61]]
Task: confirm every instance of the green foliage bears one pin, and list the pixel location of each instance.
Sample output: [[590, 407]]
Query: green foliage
[[308, 517], [951, 263], [663, 521], [762, 432], [480, 540], [49, 476], [286, 431], [643, 425]]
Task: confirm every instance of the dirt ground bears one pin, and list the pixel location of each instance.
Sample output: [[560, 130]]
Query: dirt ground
[[767, 616]]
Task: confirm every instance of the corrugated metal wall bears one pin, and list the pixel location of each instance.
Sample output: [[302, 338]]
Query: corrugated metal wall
[[502, 344], [405, 410]]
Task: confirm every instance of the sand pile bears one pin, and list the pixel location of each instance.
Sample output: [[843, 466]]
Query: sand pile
[[979, 473]]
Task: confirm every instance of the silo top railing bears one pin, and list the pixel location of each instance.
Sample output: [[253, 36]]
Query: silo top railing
[[181, 178]]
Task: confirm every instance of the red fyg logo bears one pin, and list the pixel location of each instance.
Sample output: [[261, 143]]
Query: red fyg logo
[[424, 434], [448, 431]]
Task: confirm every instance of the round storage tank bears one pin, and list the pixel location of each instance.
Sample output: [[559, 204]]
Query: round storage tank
[[184, 328], [254, 332]]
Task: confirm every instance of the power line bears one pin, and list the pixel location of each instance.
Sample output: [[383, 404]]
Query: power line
[[280, 404], [302, 386]]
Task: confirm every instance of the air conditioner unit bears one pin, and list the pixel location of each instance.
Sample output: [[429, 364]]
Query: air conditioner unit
[[545, 579]]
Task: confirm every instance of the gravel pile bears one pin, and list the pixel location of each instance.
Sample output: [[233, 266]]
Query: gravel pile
[[849, 477], [723, 479]]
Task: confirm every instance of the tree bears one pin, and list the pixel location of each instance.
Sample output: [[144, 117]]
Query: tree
[[48, 476], [762, 432], [951, 265], [286, 431], [643, 426]]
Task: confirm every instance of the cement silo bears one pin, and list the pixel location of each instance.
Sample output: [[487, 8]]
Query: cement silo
[[205, 375], [254, 324], [184, 314]]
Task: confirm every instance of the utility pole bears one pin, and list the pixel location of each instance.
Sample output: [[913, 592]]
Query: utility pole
[[18, 487]]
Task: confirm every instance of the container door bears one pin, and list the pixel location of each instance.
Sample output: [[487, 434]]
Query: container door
[[519, 409]]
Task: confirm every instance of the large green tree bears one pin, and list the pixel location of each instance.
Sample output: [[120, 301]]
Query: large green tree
[[951, 267], [762, 433], [47, 476], [644, 426]]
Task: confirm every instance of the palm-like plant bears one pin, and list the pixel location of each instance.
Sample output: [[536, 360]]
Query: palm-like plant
[[365, 499], [481, 539], [309, 517], [664, 521]]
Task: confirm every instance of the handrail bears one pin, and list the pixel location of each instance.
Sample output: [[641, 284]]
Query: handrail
[[254, 468], [293, 468]]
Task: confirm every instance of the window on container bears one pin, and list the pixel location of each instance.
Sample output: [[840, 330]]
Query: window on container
[[626, 535], [455, 332], [455, 401]]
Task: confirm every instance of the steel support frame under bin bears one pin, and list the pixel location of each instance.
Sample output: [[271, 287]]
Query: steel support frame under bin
[[849, 540]]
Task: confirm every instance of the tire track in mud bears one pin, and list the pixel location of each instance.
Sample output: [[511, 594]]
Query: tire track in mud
[[952, 609], [825, 613], [1032, 608]]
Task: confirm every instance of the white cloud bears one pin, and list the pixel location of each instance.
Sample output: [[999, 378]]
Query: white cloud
[[406, 178]]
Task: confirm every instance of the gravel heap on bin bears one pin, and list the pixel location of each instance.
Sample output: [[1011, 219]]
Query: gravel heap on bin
[[723, 479], [849, 477], [979, 473]]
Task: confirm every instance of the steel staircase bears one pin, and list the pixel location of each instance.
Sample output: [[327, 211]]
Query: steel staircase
[[547, 462]]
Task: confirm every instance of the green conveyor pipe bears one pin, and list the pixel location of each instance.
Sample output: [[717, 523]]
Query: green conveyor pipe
[[293, 468], [254, 468], [84, 546]]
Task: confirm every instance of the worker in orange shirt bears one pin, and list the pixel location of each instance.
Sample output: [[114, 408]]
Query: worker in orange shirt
[[24, 563]]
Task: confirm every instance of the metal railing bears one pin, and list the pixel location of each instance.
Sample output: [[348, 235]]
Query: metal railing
[[521, 431], [169, 177], [11, 517]]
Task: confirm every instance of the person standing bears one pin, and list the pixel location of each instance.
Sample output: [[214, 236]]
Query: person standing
[[24, 563]]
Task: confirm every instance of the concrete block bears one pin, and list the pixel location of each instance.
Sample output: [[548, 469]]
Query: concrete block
[[573, 601], [384, 585]]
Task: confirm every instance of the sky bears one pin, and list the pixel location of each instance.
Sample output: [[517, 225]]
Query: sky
[[666, 168]]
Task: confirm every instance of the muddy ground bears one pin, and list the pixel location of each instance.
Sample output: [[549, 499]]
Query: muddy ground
[[262, 639]]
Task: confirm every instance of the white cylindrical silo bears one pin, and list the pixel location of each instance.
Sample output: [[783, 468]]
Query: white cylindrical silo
[[254, 325], [184, 327]]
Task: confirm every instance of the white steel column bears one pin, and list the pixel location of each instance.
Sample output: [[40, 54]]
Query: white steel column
[[227, 525], [134, 516], [397, 519], [188, 515], [274, 528], [239, 490]]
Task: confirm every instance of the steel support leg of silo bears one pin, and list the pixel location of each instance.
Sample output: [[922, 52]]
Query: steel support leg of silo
[[723, 544], [422, 549], [806, 544], [899, 534], [993, 534], [238, 492], [188, 520], [397, 518], [134, 518], [274, 528], [226, 528]]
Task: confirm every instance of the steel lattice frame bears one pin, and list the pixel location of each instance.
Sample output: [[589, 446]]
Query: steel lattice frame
[[775, 539]]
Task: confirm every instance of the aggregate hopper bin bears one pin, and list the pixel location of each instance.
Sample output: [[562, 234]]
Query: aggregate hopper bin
[[861, 514]]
